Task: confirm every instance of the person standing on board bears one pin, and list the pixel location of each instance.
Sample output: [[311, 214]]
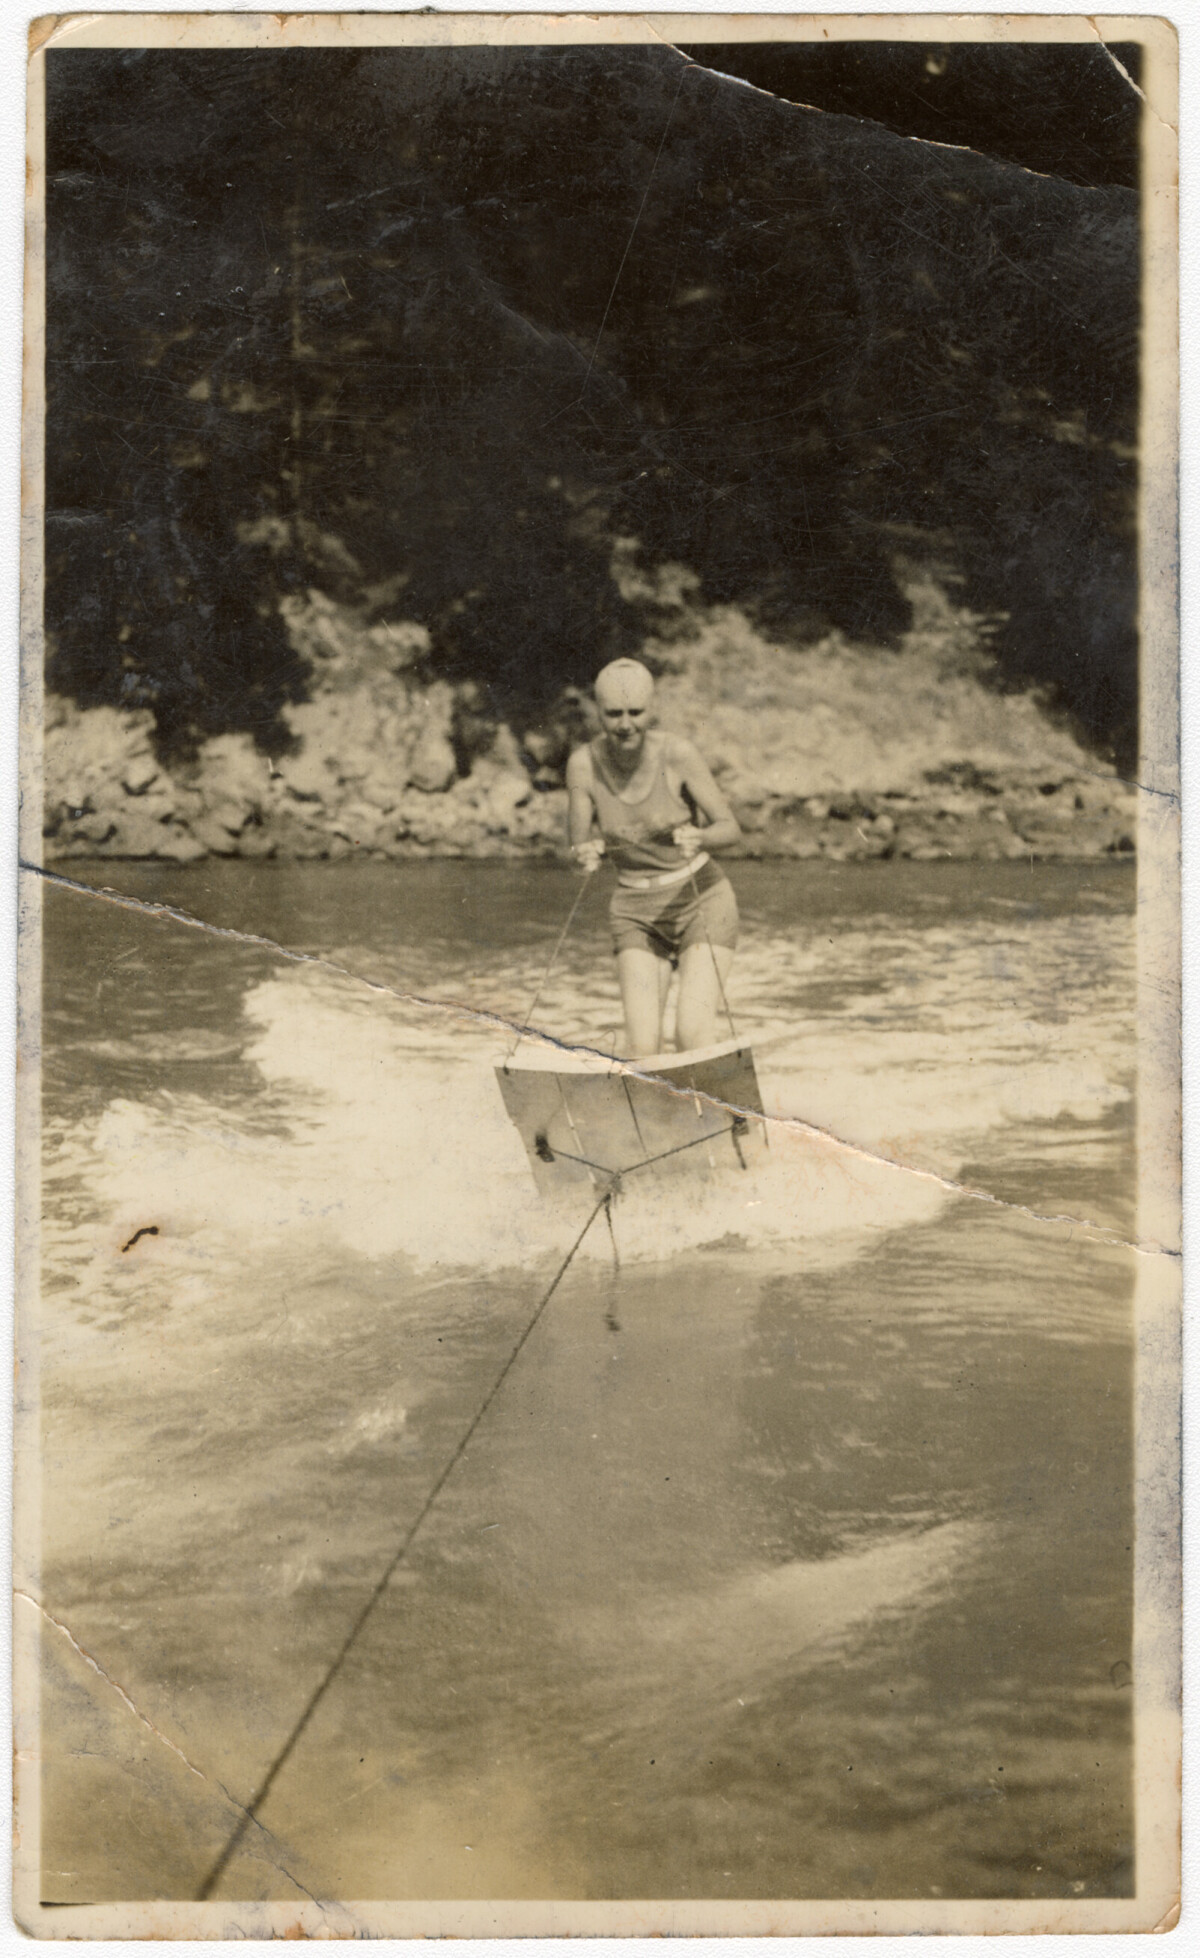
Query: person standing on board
[[659, 813]]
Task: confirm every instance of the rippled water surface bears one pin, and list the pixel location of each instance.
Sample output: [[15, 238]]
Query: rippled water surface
[[811, 1578]]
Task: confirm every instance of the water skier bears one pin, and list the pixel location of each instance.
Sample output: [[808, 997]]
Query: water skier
[[659, 812]]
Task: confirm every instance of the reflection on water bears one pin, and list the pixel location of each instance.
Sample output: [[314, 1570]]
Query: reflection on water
[[811, 1580]]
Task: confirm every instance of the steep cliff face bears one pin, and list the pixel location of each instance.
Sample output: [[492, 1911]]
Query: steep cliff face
[[826, 748]]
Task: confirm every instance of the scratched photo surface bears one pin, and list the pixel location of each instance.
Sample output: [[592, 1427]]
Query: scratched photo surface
[[471, 1468]]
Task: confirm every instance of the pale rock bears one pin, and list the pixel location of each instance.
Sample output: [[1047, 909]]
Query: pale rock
[[495, 792], [437, 819], [210, 831], [234, 774], [346, 737], [94, 828], [188, 802], [542, 819], [296, 832], [86, 752], [136, 835], [179, 846], [360, 823], [508, 794], [232, 816], [380, 793], [341, 648], [305, 775], [432, 766], [160, 802], [140, 774], [255, 842]]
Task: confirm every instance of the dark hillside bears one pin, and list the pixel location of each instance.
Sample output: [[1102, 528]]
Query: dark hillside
[[429, 329]]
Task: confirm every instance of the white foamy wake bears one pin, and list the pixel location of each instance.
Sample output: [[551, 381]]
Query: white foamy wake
[[391, 1138], [380, 1128]]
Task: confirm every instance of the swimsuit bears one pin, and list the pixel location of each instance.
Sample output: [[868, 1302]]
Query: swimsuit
[[665, 901], [700, 909]]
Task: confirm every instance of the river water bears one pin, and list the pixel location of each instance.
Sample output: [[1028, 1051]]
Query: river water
[[791, 1561]]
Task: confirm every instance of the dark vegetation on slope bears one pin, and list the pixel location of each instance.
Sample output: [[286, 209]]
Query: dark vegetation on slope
[[428, 329]]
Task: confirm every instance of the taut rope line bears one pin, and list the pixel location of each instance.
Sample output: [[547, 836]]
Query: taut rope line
[[250, 1813], [610, 1317], [525, 1026], [713, 956]]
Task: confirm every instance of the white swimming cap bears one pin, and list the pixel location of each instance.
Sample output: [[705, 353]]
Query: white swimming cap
[[624, 683]]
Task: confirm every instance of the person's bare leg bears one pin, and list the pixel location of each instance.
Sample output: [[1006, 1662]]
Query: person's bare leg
[[644, 979], [700, 1019]]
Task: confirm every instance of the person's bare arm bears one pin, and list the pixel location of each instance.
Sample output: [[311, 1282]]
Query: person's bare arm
[[722, 827], [586, 849]]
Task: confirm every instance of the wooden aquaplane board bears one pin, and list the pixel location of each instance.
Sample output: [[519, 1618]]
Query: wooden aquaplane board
[[584, 1119]]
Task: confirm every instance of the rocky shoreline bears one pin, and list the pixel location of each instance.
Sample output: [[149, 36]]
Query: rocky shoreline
[[828, 751]]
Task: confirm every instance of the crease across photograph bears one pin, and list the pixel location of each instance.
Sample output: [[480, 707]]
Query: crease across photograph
[[598, 1315]]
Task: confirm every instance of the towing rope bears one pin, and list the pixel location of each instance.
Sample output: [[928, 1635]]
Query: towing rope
[[610, 1317], [713, 956], [250, 1812], [526, 1025]]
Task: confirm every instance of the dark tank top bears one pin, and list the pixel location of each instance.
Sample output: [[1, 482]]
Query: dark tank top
[[638, 834]]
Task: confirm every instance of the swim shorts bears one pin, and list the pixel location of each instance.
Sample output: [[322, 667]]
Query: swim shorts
[[701, 910]]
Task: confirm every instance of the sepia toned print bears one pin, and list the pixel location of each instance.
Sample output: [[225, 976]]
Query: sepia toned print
[[598, 1320]]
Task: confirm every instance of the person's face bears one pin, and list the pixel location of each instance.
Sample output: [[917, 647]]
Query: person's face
[[625, 724]]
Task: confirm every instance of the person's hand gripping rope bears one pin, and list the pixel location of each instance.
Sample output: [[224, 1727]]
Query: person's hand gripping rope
[[587, 855]]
